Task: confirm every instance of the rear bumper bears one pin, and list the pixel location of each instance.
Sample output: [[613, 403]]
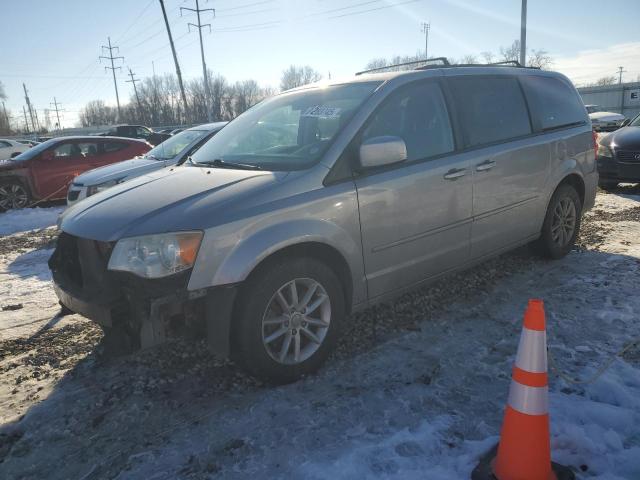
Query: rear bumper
[[612, 169]]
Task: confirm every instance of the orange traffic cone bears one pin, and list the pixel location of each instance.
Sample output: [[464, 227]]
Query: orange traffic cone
[[524, 451]]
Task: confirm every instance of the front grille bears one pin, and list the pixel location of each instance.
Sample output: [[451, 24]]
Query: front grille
[[65, 259], [73, 195], [628, 156]]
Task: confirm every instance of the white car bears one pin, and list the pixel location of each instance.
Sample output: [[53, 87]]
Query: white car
[[172, 151], [604, 121], [11, 148]]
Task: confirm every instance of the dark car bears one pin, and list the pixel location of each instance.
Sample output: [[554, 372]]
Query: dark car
[[619, 155], [138, 131], [46, 170]]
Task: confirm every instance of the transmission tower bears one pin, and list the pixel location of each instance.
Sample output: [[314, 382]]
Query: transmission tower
[[113, 68]]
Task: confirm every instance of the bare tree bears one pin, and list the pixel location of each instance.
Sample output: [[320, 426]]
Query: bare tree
[[468, 59], [601, 82], [510, 53], [296, 76], [540, 59], [489, 57], [3, 95]]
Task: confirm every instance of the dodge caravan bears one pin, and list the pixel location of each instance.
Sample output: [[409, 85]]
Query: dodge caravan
[[326, 199]]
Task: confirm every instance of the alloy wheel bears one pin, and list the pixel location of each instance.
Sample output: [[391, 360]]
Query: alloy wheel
[[563, 224], [296, 321], [13, 195]]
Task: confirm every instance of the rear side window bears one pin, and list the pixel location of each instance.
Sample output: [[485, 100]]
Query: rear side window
[[490, 109], [109, 147], [553, 103], [419, 116]]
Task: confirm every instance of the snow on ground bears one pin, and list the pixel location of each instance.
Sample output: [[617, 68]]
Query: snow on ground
[[28, 219], [421, 401]]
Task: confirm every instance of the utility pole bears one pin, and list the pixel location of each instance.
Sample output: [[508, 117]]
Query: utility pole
[[200, 26], [6, 116], [175, 60], [113, 69], [523, 34], [26, 123], [425, 29], [55, 105], [621, 70], [135, 89], [26, 97]]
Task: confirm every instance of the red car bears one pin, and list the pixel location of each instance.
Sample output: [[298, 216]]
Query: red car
[[45, 171]]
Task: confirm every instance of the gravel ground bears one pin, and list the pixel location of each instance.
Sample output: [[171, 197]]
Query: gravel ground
[[65, 366]]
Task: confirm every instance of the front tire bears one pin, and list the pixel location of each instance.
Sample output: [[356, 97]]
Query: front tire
[[289, 319], [13, 195], [561, 224]]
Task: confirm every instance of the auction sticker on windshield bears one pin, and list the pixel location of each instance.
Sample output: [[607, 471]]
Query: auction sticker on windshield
[[322, 111]]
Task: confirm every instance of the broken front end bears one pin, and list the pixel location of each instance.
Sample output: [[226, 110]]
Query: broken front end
[[89, 278]]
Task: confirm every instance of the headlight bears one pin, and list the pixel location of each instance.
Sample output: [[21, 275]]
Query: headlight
[[156, 256], [604, 151], [93, 189]]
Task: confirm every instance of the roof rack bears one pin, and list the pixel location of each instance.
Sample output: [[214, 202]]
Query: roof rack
[[443, 63], [425, 64]]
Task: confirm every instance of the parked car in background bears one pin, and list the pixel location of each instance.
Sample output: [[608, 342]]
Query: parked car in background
[[326, 199], [46, 170], [29, 142], [619, 155], [138, 131], [604, 121], [170, 152], [11, 148]]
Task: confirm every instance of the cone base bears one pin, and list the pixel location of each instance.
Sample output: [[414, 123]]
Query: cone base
[[484, 469]]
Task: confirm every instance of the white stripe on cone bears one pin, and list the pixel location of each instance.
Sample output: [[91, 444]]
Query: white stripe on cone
[[532, 351], [529, 400]]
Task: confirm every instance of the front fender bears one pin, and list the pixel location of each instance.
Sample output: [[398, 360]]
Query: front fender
[[244, 256]]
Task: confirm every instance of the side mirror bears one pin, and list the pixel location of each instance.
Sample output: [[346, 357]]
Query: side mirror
[[381, 151], [625, 122]]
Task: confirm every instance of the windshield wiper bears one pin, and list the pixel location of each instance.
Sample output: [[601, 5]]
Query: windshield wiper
[[219, 163]]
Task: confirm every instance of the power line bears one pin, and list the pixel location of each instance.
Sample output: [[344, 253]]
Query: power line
[[113, 69], [135, 20], [200, 26]]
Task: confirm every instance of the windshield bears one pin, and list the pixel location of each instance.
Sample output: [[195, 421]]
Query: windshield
[[287, 132], [175, 145], [635, 122], [34, 151]]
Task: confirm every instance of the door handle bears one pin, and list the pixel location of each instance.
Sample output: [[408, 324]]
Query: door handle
[[486, 165], [455, 173]]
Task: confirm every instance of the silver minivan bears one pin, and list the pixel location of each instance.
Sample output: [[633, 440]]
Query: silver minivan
[[324, 200]]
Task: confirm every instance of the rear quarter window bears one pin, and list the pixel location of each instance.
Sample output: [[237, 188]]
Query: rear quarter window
[[490, 109], [553, 103]]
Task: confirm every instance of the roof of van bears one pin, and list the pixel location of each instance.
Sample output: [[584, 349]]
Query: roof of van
[[444, 70]]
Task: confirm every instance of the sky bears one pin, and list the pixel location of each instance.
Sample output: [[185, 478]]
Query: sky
[[53, 46]]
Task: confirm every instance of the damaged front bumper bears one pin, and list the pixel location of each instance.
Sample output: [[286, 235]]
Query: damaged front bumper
[[152, 311]]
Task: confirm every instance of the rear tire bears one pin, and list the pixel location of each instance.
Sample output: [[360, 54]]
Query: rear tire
[[284, 331], [561, 223], [13, 195]]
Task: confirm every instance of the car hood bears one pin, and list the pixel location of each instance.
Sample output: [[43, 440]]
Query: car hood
[[120, 170], [179, 199], [606, 116], [625, 138]]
